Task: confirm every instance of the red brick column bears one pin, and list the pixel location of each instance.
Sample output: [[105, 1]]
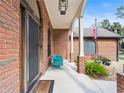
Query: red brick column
[[120, 82], [81, 64]]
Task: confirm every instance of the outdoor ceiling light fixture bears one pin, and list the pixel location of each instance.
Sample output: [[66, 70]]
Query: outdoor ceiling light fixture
[[63, 5]]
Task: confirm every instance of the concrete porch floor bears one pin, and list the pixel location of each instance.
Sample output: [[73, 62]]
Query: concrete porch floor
[[67, 80]]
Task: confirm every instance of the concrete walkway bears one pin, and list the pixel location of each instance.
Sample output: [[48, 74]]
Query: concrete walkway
[[67, 80], [106, 86]]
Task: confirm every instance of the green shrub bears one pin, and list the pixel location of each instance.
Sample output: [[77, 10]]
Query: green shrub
[[96, 70]]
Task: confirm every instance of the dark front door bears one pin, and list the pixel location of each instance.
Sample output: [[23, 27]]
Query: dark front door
[[33, 49]]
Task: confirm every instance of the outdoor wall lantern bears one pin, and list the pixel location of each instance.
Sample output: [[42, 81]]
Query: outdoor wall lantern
[[63, 5]]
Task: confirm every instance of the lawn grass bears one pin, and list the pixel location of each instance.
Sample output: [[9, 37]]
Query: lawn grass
[[121, 58]]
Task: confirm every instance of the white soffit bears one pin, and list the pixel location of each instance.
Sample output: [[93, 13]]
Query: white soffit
[[63, 21]]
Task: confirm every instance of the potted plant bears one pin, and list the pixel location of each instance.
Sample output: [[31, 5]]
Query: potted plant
[[98, 59], [108, 62], [102, 60]]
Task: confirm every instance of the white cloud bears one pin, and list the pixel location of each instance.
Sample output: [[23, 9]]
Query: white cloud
[[106, 5]]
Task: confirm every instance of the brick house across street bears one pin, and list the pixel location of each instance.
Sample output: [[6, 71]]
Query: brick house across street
[[106, 44]]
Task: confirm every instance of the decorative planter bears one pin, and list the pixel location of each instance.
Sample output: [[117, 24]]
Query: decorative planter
[[98, 61], [108, 63]]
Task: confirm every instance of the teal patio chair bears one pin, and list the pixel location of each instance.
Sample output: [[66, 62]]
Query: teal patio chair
[[57, 61]]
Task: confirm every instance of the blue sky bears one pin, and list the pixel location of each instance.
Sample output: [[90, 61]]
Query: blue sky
[[101, 9]]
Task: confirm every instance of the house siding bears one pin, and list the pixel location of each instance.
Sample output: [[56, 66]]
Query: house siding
[[9, 46]]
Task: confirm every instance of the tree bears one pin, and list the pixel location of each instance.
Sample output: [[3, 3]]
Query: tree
[[120, 12], [116, 27], [122, 31], [105, 24]]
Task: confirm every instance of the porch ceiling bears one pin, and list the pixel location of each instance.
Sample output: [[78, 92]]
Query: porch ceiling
[[75, 8]]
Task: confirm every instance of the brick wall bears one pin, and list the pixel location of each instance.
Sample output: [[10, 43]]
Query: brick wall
[[120, 83], [44, 50], [60, 42], [89, 56], [106, 47], [9, 46], [76, 49]]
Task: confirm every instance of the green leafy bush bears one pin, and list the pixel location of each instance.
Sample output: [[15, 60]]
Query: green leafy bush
[[95, 70]]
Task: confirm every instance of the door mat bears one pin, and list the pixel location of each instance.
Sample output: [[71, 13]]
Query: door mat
[[45, 86]]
